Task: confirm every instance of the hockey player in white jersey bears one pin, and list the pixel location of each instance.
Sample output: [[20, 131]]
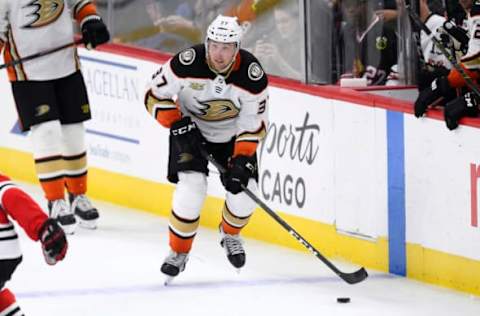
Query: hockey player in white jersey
[[212, 95], [466, 104], [51, 97], [18, 206]]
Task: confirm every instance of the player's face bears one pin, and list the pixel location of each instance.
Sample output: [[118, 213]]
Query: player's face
[[221, 54], [286, 24]]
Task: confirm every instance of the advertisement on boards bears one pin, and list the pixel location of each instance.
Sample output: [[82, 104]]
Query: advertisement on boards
[[122, 136], [442, 186], [296, 156]]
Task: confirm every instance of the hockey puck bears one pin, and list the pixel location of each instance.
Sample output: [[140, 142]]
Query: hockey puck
[[343, 299]]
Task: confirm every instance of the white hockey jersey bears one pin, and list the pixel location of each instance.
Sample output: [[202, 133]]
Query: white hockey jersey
[[431, 53], [471, 60], [223, 107], [32, 26]]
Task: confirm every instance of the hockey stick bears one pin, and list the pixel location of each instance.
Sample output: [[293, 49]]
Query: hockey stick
[[40, 54], [468, 80], [350, 278]]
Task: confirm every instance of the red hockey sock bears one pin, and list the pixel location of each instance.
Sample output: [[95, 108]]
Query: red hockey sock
[[8, 305]]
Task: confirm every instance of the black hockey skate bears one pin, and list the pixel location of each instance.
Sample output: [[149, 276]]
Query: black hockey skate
[[59, 210], [233, 248], [174, 264], [81, 206]]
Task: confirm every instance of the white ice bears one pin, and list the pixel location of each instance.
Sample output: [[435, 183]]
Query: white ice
[[115, 271]]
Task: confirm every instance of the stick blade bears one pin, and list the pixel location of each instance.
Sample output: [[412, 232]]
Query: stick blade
[[354, 277]]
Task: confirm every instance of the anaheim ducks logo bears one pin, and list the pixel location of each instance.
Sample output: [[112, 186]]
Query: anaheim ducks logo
[[216, 110], [185, 157], [42, 110], [44, 12]]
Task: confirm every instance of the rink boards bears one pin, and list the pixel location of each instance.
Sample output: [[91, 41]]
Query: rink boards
[[357, 175]]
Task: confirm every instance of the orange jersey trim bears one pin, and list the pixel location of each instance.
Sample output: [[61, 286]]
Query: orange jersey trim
[[168, 117], [456, 80], [87, 10], [245, 148]]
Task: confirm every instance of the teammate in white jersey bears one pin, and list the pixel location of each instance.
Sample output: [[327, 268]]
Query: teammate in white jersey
[[212, 95], [17, 205], [467, 103], [51, 96]]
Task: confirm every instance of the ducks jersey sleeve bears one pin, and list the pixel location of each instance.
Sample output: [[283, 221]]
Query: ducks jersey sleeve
[[159, 99], [471, 61], [29, 27], [252, 123]]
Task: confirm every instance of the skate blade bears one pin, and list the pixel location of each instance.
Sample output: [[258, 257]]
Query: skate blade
[[168, 280], [92, 224]]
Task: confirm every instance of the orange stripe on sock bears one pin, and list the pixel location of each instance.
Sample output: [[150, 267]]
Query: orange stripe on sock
[[53, 189], [76, 185], [229, 229], [180, 244]]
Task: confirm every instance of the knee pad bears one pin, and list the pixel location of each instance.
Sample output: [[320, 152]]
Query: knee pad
[[189, 194], [241, 204], [73, 139], [46, 139]]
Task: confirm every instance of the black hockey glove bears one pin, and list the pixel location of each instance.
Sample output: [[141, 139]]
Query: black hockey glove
[[466, 105], [94, 32], [54, 242], [240, 170], [184, 131], [438, 89], [428, 73], [454, 37], [185, 139]]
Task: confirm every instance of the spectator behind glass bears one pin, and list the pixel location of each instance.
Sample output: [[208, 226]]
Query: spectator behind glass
[[368, 45], [183, 26], [194, 27], [280, 49], [154, 35]]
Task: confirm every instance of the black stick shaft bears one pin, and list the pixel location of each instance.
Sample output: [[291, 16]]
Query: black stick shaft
[[468, 80], [350, 278], [40, 54]]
